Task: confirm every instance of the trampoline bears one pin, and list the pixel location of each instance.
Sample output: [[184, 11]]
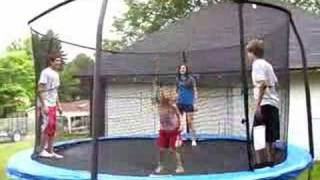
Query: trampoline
[[135, 158], [122, 88]]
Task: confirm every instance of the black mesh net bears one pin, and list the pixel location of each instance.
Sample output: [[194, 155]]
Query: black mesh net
[[208, 41]]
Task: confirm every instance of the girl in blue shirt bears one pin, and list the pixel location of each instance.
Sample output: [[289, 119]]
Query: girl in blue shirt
[[186, 95]]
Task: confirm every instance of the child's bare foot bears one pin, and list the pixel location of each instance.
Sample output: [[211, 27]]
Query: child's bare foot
[[159, 169], [179, 169]]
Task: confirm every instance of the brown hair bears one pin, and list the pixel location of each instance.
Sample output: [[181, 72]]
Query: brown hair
[[188, 69], [256, 46], [51, 57]]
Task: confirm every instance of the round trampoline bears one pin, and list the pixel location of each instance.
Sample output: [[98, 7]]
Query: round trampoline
[[135, 158], [122, 89]]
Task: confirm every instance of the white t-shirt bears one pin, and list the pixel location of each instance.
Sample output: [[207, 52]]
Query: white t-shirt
[[263, 71], [50, 78]]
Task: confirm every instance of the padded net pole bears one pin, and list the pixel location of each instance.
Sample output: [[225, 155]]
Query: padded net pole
[[97, 93], [37, 69], [244, 81], [307, 86]]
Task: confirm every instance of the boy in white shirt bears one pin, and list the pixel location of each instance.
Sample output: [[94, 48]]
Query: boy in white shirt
[[266, 98], [49, 103]]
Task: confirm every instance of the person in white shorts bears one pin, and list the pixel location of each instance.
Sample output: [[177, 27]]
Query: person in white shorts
[[48, 104], [266, 99]]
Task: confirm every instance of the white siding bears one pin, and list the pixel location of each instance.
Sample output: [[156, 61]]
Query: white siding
[[219, 112], [298, 125], [130, 111]]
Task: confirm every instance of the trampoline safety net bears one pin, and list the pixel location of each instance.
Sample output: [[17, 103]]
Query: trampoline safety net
[[207, 41]]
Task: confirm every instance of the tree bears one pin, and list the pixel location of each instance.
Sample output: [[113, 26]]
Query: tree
[[16, 81], [21, 45], [113, 45], [42, 47], [312, 6], [149, 16], [70, 85]]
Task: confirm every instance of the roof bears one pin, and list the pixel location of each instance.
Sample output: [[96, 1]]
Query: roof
[[76, 106], [205, 37], [309, 29]]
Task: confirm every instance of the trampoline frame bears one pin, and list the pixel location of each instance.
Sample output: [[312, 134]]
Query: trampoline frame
[[97, 93], [32, 169]]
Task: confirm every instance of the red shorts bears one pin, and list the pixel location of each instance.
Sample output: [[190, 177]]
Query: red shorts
[[169, 138], [49, 122]]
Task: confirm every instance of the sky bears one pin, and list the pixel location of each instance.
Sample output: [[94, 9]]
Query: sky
[[75, 22]]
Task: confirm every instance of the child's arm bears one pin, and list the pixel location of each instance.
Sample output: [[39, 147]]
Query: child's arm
[[59, 105], [260, 77], [262, 89], [178, 116], [41, 90]]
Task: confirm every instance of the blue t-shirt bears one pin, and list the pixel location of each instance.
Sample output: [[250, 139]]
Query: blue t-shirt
[[185, 90]]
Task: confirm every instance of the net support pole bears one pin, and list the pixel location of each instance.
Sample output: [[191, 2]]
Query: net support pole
[[244, 81], [97, 93], [307, 87], [37, 112]]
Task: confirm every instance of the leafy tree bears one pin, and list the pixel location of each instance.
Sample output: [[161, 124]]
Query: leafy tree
[[18, 62], [16, 81], [150, 16], [113, 45], [70, 85], [44, 46], [312, 6], [21, 45]]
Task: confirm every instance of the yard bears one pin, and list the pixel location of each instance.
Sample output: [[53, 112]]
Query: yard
[[9, 149]]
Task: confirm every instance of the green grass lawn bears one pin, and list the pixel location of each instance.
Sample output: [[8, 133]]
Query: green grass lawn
[[315, 173], [9, 149]]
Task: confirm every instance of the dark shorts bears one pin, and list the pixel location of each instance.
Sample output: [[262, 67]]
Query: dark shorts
[[270, 118], [185, 108], [168, 138]]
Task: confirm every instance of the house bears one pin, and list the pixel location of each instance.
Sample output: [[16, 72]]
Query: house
[[309, 29], [75, 116], [129, 79]]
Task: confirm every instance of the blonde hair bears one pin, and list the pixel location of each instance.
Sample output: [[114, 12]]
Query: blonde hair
[[167, 96]]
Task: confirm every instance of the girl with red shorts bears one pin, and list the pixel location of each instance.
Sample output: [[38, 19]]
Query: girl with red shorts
[[169, 133]]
